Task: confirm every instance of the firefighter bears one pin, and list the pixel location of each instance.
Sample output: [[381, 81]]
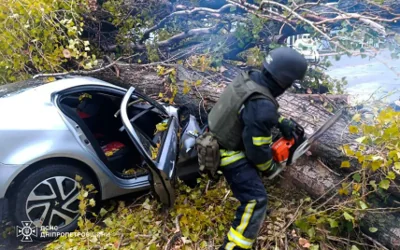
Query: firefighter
[[241, 123]]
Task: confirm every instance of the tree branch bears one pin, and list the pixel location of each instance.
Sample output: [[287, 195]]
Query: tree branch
[[190, 33], [200, 10]]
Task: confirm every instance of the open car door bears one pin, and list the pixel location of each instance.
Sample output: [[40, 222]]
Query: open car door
[[162, 167]]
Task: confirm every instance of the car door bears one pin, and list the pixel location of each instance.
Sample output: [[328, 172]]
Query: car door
[[162, 167]]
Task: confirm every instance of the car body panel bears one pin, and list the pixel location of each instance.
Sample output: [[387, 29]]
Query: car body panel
[[162, 168], [38, 126]]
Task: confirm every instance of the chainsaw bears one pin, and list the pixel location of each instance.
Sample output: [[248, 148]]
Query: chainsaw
[[285, 152]]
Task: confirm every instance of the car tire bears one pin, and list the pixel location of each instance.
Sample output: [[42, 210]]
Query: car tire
[[57, 182]]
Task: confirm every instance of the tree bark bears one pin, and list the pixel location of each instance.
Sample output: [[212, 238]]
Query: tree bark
[[312, 177]]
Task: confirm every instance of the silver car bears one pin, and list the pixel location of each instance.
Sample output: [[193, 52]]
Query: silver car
[[117, 139]]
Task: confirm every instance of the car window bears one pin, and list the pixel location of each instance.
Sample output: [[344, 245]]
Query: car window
[[18, 87]]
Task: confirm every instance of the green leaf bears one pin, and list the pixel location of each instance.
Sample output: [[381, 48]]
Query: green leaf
[[373, 229], [373, 184], [345, 164], [314, 247], [397, 165], [384, 184], [311, 232], [357, 177], [363, 205], [153, 246], [391, 175], [333, 223], [102, 212], [353, 247], [348, 217], [108, 222]]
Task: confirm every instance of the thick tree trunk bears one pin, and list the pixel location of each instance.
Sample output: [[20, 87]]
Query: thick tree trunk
[[318, 174], [312, 177]]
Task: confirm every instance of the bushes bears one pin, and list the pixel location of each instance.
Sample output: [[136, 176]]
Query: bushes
[[41, 35]]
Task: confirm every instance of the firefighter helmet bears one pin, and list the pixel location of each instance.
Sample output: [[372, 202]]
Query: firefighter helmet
[[286, 65]]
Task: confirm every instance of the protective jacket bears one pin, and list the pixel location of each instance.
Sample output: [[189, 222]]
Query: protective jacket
[[224, 120], [243, 118]]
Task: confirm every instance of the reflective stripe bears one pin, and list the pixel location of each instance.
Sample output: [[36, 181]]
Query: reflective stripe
[[240, 110], [225, 153], [264, 166], [281, 119], [239, 239], [230, 157], [230, 246], [248, 212], [259, 141]]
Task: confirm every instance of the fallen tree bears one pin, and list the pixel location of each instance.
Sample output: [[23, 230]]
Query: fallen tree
[[319, 174]]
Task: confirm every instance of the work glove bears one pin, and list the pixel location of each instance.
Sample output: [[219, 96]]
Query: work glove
[[271, 172], [286, 127]]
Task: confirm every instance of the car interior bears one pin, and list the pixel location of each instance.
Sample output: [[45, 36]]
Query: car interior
[[97, 114]]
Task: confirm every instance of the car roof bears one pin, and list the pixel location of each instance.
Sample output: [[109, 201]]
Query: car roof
[[32, 101], [38, 87]]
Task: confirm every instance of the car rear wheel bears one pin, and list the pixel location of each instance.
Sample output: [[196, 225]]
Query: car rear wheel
[[48, 199]]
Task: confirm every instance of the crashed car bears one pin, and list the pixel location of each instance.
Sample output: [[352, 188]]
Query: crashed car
[[121, 141]]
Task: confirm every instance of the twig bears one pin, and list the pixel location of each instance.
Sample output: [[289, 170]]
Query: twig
[[84, 72], [120, 241], [176, 235], [226, 196], [294, 217], [327, 168], [199, 10], [208, 184], [375, 242]]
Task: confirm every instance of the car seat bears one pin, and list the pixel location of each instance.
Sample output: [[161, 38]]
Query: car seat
[[96, 111]]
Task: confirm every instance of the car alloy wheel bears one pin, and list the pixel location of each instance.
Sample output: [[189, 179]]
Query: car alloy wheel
[[53, 202]]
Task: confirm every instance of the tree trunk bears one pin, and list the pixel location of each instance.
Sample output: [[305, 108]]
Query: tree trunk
[[318, 174], [312, 177]]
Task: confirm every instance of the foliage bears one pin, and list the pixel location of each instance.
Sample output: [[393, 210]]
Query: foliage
[[144, 225], [37, 36], [377, 149]]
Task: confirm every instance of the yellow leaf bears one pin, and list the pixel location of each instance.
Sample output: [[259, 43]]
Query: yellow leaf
[[343, 191], [345, 164], [391, 175], [353, 129], [186, 87], [198, 83], [376, 165], [78, 177], [90, 187], [160, 95], [397, 165], [356, 117], [92, 202], [162, 126], [356, 187]]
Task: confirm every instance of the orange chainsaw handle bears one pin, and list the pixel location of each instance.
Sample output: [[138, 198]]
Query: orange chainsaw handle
[[281, 149]]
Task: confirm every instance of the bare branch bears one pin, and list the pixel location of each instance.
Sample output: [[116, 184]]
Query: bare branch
[[190, 33], [203, 11]]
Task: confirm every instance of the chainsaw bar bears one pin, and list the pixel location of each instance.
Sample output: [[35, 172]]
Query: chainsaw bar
[[305, 146]]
